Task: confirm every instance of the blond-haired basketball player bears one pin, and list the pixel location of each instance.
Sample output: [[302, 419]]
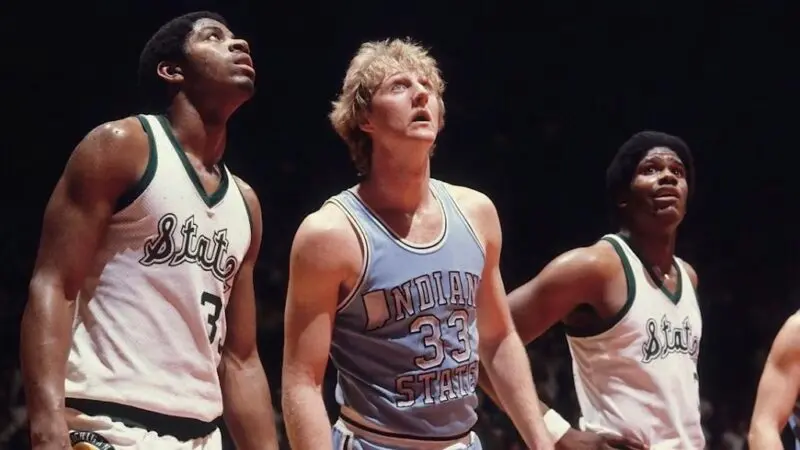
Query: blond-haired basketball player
[[630, 309], [776, 407], [140, 328], [396, 278]]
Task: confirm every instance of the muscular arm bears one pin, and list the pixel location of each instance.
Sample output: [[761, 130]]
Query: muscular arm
[[501, 350], [318, 265], [245, 390], [778, 388], [560, 287], [103, 166]]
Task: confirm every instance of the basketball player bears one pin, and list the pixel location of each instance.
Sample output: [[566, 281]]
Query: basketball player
[[397, 277], [140, 327], [778, 390], [630, 310]]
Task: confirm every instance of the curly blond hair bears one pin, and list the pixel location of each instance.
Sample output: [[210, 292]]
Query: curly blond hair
[[373, 63]]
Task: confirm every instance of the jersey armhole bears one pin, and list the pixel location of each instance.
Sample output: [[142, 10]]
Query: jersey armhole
[[630, 284], [441, 187], [138, 189], [361, 235], [244, 200]]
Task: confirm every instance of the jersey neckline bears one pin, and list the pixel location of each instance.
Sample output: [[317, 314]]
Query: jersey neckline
[[212, 199], [673, 297]]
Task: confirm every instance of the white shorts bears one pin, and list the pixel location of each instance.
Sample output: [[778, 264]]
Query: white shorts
[[97, 432]]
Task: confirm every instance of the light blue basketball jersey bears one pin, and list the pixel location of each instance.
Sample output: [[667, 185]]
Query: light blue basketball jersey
[[405, 343]]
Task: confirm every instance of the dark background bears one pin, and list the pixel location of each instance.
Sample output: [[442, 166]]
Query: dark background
[[540, 95]]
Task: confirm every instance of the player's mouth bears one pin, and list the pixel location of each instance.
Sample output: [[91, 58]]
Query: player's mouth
[[667, 193], [421, 116], [245, 62]]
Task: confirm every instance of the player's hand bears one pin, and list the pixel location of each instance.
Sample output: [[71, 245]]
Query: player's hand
[[582, 440], [50, 435]]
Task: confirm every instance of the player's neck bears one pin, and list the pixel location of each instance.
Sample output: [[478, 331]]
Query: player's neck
[[657, 250], [202, 134], [397, 186]]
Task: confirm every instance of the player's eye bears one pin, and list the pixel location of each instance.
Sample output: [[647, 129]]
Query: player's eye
[[648, 170], [398, 86]]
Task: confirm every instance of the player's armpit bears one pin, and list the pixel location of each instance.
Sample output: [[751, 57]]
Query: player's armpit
[[567, 281], [778, 388], [323, 251]]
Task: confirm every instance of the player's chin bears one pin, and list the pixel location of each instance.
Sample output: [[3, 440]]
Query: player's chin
[[423, 134], [244, 85], [669, 217], [248, 80]]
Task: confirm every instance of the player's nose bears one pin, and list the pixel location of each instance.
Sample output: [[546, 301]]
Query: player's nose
[[421, 97], [668, 178], [239, 45]]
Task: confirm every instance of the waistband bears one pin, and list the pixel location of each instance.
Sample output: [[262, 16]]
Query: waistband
[[182, 428], [353, 422]]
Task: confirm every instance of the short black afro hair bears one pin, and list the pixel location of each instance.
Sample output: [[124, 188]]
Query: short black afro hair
[[167, 44], [623, 166]]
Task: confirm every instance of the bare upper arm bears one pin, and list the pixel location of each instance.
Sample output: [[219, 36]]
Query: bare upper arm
[[494, 320], [105, 164], [572, 278], [240, 312], [780, 381], [324, 254]]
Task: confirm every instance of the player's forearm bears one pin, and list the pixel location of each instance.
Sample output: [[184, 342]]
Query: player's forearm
[[45, 338], [509, 372], [764, 437], [248, 404], [305, 417], [488, 388]]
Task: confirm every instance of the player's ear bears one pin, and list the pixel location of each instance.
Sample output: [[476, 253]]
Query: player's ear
[[622, 202], [170, 72], [365, 124]]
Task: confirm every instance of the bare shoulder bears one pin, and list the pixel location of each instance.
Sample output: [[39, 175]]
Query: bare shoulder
[[328, 237], [791, 329], [481, 214], [472, 203], [792, 324], [787, 342], [690, 271], [250, 196], [111, 137], [598, 262], [116, 149]]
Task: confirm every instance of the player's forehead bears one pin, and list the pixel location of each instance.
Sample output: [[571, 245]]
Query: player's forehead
[[207, 24], [404, 74], [387, 69], [661, 154]]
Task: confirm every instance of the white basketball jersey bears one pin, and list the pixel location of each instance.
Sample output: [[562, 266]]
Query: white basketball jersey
[[638, 378], [150, 317]]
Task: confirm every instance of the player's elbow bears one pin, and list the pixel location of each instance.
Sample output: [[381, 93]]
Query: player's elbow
[[298, 388], [761, 431], [296, 375], [240, 357], [51, 284], [491, 340], [47, 297]]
